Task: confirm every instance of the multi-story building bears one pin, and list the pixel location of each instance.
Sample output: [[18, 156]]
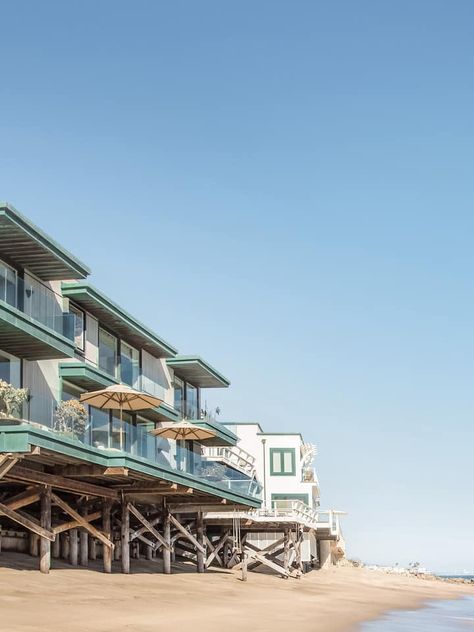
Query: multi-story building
[[283, 463], [61, 337]]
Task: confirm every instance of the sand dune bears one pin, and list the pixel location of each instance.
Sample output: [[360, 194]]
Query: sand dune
[[84, 600]]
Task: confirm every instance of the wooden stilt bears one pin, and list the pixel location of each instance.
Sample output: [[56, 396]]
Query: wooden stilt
[[73, 547], [92, 548], [286, 550], [244, 566], [45, 543], [107, 530], [167, 539], [125, 539], [34, 542], [65, 546], [56, 547], [201, 557], [84, 542]]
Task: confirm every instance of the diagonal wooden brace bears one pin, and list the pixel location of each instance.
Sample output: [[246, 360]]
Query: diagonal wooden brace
[[149, 526], [27, 521], [188, 535], [82, 522]]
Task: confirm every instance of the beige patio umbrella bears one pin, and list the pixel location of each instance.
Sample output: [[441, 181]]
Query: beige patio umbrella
[[183, 430], [120, 397]]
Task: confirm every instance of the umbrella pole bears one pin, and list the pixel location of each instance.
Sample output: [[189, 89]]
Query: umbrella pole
[[121, 428]]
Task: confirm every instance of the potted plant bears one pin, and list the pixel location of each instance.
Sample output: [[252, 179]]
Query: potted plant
[[71, 418], [11, 399]]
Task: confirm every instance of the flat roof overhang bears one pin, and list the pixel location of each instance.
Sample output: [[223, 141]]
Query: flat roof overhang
[[90, 378], [117, 319], [27, 246], [222, 437], [195, 370], [56, 451], [26, 338]]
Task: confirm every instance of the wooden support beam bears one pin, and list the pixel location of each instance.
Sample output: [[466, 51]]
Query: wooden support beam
[[27, 522], [7, 461], [45, 543], [201, 552], [84, 541], [187, 535], [257, 556], [107, 529], [116, 471], [148, 525], [138, 532], [74, 523], [73, 547], [215, 549], [27, 497], [28, 475], [125, 537], [167, 539], [286, 551], [82, 522]]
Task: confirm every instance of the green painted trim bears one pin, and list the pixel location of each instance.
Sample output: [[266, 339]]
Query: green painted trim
[[188, 360], [31, 327], [226, 436], [293, 461], [303, 497], [19, 438], [71, 370], [74, 291], [9, 211]]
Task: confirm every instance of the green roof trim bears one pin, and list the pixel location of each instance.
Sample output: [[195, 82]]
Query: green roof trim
[[197, 371], [223, 435], [117, 319], [28, 246], [19, 438], [27, 338]]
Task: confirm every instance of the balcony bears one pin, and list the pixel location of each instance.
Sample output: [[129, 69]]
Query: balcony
[[233, 457], [89, 377], [33, 324]]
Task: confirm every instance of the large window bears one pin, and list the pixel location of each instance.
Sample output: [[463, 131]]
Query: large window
[[282, 462], [7, 284], [100, 422], [178, 385], [78, 327], [129, 364], [191, 402], [107, 353]]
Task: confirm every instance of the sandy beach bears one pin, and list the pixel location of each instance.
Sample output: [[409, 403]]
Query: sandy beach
[[85, 600]]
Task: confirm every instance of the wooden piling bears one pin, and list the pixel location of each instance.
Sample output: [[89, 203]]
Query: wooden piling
[[92, 548], [84, 542], [167, 538], [286, 550], [106, 528], [73, 547], [125, 538], [45, 544], [201, 557]]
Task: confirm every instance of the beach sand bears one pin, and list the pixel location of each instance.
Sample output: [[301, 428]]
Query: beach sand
[[85, 600]]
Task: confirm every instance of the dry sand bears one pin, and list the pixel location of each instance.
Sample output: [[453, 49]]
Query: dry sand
[[83, 600]]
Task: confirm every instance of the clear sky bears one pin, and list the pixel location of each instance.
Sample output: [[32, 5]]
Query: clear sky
[[285, 188]]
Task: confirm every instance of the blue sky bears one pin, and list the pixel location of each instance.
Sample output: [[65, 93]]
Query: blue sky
[[286, 189]]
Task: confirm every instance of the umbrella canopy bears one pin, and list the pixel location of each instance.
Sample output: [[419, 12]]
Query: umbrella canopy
[[120, 397], [183, 430]]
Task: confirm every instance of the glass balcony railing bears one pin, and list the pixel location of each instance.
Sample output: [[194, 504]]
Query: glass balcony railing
[[168, 454], [36, 301]]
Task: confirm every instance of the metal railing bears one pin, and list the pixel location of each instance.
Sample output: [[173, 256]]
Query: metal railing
[[232, 456]]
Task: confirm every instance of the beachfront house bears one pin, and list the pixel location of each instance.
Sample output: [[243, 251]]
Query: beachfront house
[[61, 337]]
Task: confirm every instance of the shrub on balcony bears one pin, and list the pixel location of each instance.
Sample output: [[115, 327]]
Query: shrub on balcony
[[71, 418], [11, 399]]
